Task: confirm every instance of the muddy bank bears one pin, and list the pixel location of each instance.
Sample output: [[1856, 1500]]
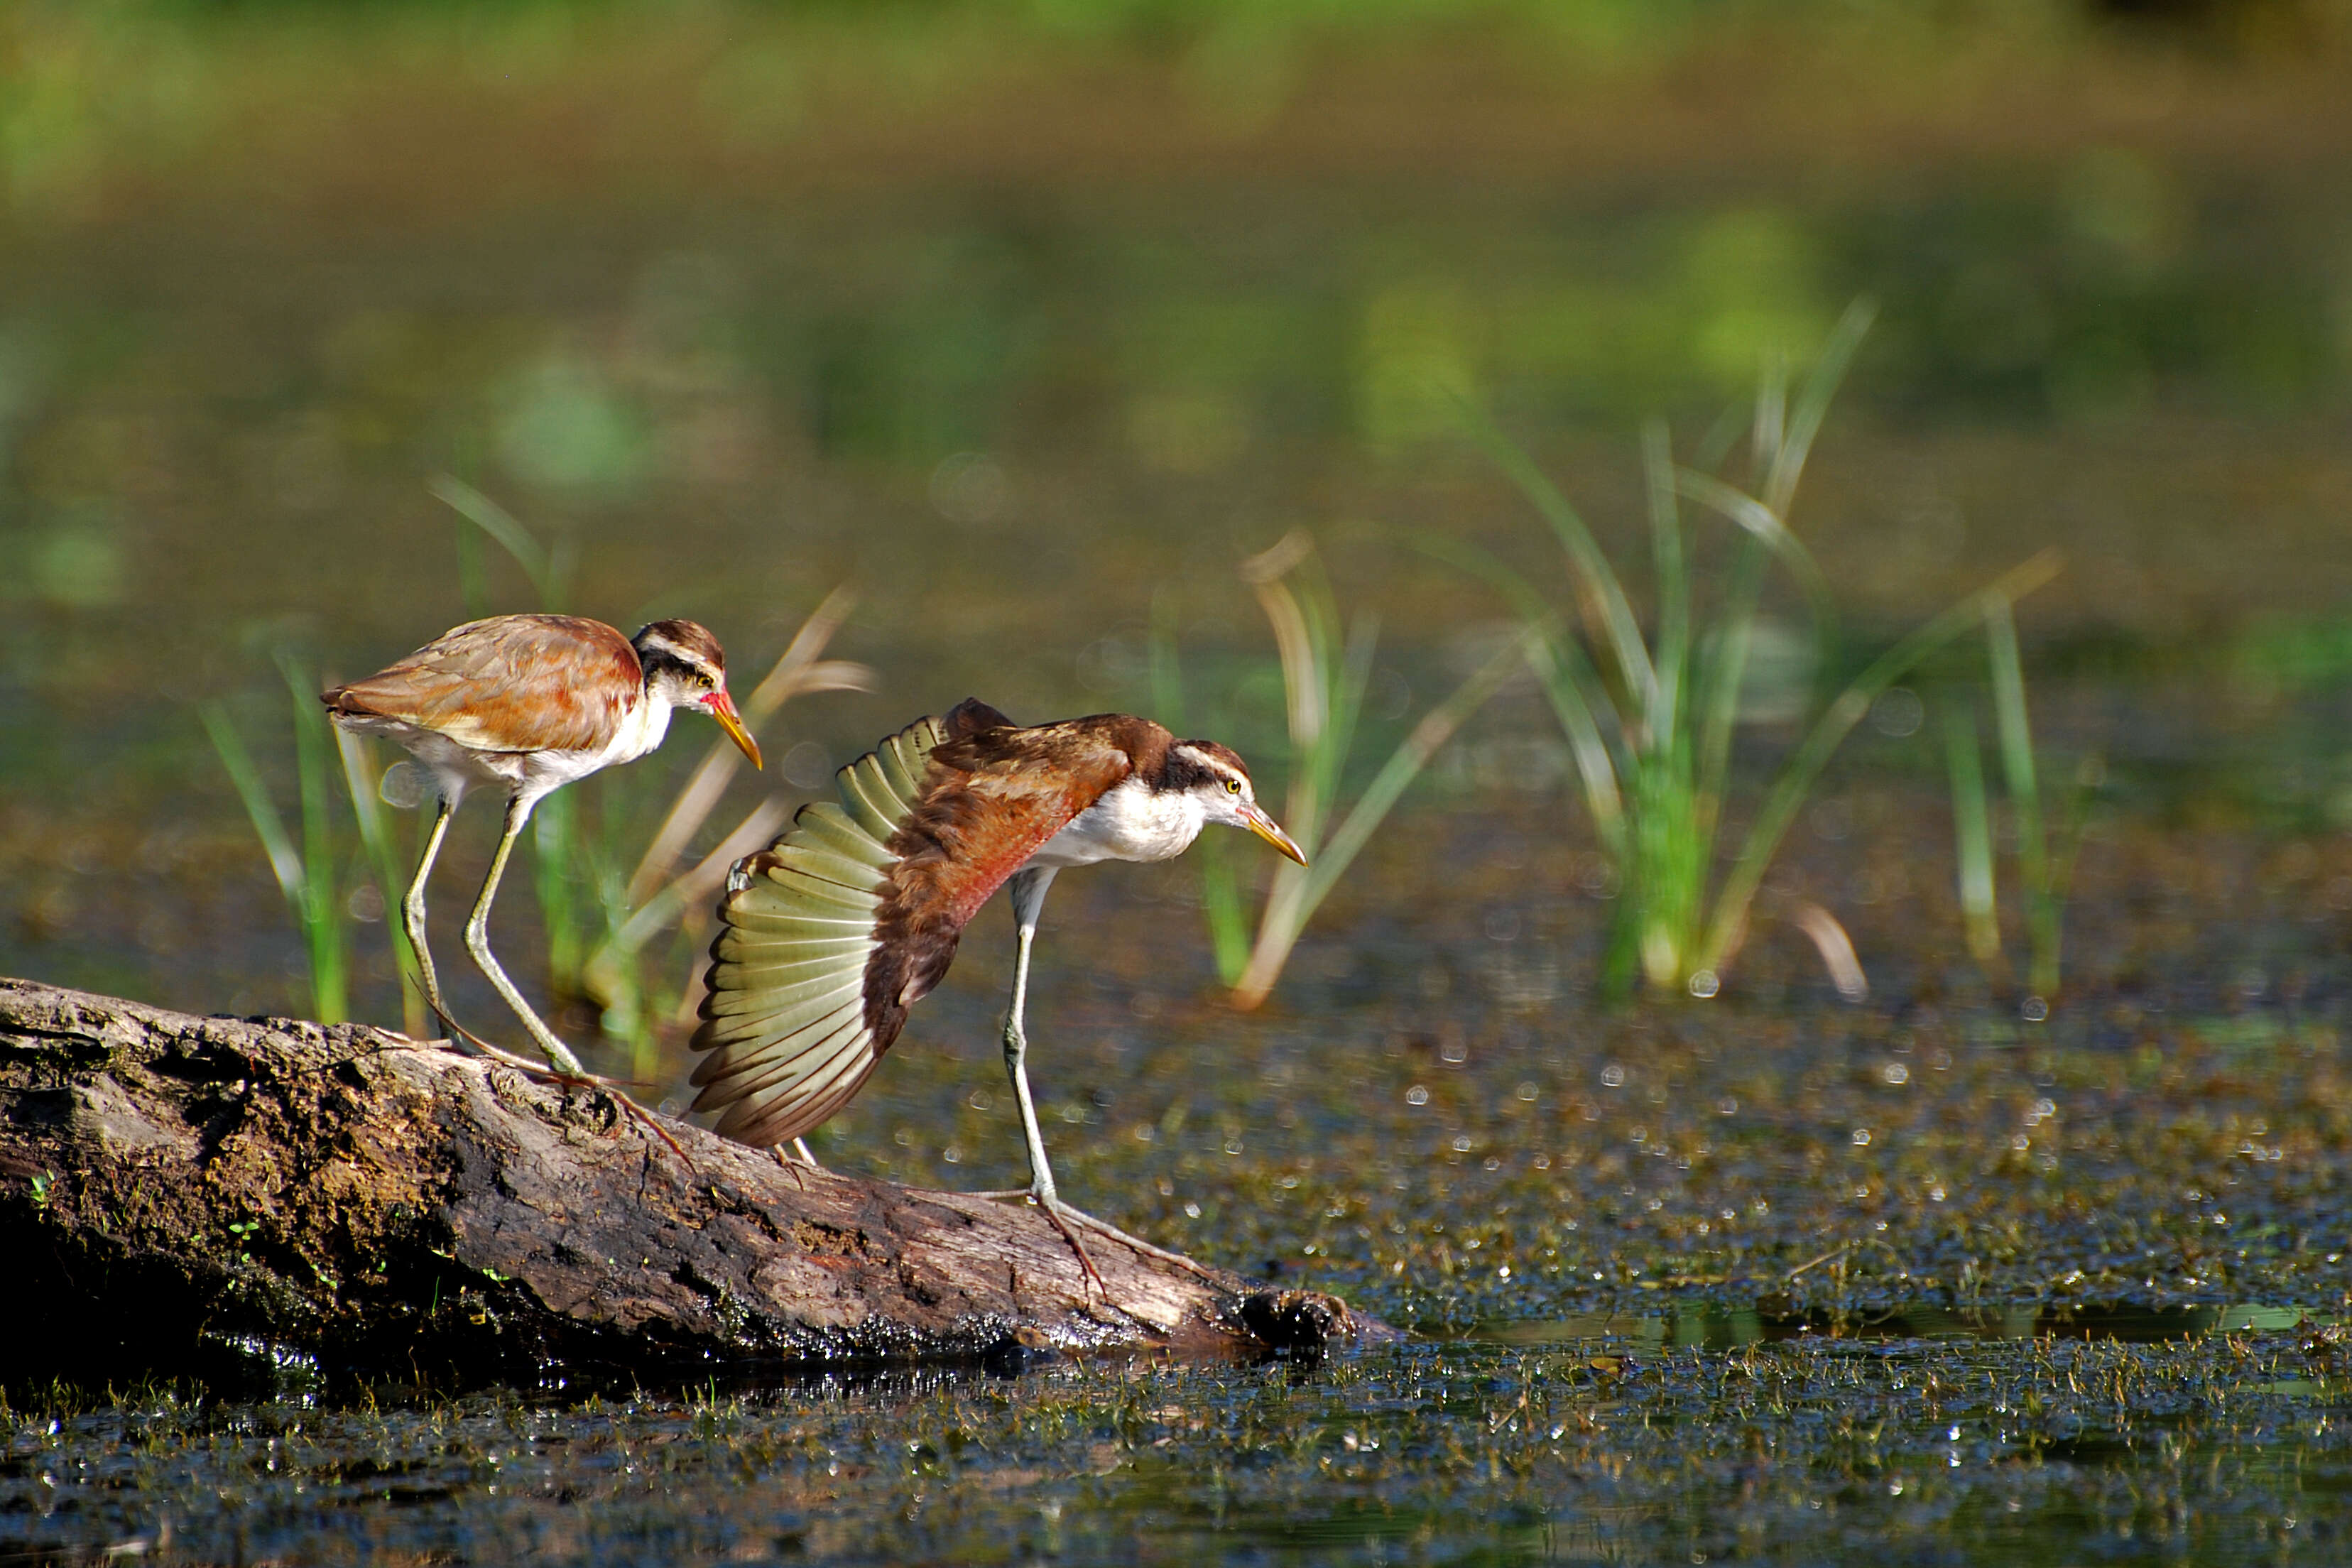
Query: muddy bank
[[190, 1195]]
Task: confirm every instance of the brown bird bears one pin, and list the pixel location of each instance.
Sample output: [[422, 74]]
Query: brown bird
[[527, 704], [832, 932]]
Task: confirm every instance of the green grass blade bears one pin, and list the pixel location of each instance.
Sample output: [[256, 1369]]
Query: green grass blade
[[1674, 584], [537, 562], [1298, 891], [1972, 835], [362, 784], [556, 858], [1353, 678], [1797, 775], [1222, 905], [1600, 589], [1720, 437], [1224, 909], [285, 860], [321, 905], [2065, 850], [1766, 435], [1762, 523], [1813, 404], [2016, 734], [1412, 755], [1568, 681], [1727, 668]]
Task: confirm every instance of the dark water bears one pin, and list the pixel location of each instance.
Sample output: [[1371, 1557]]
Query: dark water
[[1773, 1279]]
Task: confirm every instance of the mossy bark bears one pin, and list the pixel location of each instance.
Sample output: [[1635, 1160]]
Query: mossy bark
[[185, 1196]]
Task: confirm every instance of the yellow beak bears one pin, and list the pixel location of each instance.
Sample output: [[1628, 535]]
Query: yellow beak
[[721, 707], [1266, 828]]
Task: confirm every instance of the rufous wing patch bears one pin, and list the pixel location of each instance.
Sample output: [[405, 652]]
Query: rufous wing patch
[[511, 683]]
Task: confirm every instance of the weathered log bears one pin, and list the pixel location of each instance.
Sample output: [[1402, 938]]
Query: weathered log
[[184, 1196]]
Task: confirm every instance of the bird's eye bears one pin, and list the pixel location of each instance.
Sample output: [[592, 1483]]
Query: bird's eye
[[1232, 786]]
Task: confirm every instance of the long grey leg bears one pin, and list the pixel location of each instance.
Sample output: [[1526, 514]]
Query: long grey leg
[[412, 911], [1028, 894], [1027, 889], [477, 942]]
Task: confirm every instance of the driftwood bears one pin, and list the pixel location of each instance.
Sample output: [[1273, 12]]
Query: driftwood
[[193, 1196]]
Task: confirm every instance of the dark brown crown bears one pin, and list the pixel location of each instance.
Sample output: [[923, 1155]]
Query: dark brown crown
[[1182, 772], [685, 645]]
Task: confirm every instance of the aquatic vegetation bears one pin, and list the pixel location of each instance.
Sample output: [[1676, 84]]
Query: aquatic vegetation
[[393, 863], [309, 875], [1325, 673], [1650, 724], [2045, 857]]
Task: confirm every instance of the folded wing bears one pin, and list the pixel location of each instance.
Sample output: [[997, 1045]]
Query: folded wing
[[511, 683]]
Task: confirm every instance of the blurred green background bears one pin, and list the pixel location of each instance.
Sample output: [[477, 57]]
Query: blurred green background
[[1013, 315]]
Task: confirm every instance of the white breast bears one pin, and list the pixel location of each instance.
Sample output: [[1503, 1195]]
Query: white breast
[[1130, 822], [641, 729]]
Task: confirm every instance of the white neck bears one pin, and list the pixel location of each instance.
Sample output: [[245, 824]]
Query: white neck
[[1130, 822]]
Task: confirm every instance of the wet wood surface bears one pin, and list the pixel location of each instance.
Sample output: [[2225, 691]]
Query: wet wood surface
[[184, 1196]]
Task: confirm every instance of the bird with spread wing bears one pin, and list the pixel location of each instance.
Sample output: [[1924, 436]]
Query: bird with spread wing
[[831, 933]]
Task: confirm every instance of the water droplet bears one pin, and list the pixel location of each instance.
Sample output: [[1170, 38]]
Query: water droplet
[[806, 766], [971, 488], [1705, 985], [1416, 1095], [2034, 1010], [1528, 1091], [1462, 1143], [1862, 1137], [402, 786], [1896, 1073], [1614, 1075], [1897, 712]]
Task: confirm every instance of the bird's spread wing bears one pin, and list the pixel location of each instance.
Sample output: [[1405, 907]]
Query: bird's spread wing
[[511, 683], [832, 933]]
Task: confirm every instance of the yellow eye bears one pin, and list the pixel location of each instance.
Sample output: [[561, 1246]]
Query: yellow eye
[[1232, 786]]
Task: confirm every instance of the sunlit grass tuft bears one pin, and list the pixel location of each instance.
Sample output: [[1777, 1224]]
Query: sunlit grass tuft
[[1325, 673], [1650, 719], [2045, 858], [309, 875]]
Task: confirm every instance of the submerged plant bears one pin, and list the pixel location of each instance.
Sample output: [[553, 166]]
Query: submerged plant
[[1649, 721], [2045, 859], [1325, 673]]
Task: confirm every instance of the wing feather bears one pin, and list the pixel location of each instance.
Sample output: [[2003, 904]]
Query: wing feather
[[510, 683], [831, 933]]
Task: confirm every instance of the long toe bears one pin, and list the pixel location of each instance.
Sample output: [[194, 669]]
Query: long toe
[[1104, 1228]]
